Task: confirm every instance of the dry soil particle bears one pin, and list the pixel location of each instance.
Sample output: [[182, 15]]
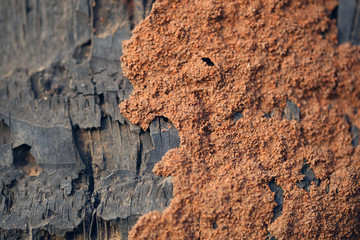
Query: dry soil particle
[[199, 63]]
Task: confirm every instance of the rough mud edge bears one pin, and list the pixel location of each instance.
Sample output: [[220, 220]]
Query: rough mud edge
[[242, 56]]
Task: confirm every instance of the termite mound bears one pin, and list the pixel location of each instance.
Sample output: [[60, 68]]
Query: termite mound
[[200, 63]]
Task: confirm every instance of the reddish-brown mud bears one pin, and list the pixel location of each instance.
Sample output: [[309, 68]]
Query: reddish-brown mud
[[197, 63]]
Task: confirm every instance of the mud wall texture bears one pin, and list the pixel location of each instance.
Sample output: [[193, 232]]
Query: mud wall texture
[[266, 104], [257, 100]]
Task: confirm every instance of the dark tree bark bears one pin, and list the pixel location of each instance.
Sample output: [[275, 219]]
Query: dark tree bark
[[71, 165]]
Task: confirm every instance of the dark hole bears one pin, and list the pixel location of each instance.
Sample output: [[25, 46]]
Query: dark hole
[[207, 130], [266, 115], [334, 13], [100, 99], [238, 115], [214, 225], [59, 89], [27, 6], [25, 161], [208, 61], [21, 155], [347, 119], [47, 85]]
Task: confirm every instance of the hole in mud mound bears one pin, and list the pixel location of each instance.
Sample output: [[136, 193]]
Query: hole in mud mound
[[208, 61], [5, 135], [25, 161], [214, 225], [266, 115], [309, 177], [237, 116], [279, 198]]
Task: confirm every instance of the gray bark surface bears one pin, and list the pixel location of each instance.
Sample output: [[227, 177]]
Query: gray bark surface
[[71, 165]]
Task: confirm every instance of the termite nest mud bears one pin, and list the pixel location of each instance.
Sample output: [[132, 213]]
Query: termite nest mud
[[237, 174]]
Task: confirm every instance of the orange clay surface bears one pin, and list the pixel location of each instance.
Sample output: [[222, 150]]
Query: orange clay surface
[[264, 53]]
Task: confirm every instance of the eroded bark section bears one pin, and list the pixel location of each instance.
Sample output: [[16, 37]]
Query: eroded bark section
[[71, 165]]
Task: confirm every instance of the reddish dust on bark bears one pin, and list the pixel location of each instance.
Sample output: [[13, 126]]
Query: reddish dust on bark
[[198, 63]]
